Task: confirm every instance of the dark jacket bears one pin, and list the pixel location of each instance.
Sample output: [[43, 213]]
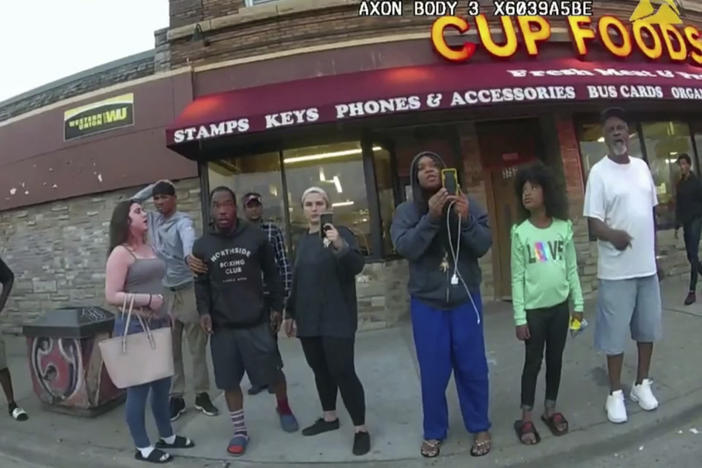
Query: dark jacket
[[425, 243], [323, 296], [7, 278], [232, 289], [688, 200]]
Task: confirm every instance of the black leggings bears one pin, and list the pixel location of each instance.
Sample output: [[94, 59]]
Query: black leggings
[[548, 326], [331, 360]]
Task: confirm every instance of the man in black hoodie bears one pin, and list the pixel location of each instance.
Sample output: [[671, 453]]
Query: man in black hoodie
[[688, 215], [230, 301], [446, 307]]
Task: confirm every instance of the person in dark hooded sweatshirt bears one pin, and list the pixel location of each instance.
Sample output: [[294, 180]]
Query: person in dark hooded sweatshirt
[[230, 301], [446, 306], [688, 215]]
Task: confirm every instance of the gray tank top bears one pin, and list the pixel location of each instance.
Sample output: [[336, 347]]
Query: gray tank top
[[145, 276]]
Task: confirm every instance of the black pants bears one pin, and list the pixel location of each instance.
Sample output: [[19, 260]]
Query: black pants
[[691, 231], [331, 360], [548, 327]]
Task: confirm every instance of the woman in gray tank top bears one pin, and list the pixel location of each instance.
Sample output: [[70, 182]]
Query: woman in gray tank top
[[134, 270]]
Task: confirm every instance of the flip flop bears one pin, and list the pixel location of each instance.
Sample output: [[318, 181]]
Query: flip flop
[[523, 428], [476, 449], [553, 421], [430, 448]]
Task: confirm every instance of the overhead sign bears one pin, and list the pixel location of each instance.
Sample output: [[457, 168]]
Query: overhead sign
[[655, 35], [428, 88], [97, 117]]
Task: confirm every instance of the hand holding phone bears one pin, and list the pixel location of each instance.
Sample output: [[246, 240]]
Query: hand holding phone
[[449, 180], [324, 220]]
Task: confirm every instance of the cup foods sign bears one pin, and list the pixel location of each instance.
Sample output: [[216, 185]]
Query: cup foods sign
[[679, 44]]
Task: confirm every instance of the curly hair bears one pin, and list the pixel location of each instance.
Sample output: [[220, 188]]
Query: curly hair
[[555, 199]]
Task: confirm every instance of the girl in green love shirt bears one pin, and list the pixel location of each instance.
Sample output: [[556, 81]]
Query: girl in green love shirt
[[544, 276]]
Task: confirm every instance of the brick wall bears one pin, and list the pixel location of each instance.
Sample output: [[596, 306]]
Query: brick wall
[[382, 294], [120, 71], [572, 171], [184, 12], [474, 182], [58, 250]]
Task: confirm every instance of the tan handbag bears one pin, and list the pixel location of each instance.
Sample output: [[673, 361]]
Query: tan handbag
[[138, 358]]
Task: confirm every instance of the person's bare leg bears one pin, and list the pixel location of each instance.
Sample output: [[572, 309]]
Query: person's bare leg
[[645, 353], [614, 367], [235, 399], [6, 382], [281, 388]]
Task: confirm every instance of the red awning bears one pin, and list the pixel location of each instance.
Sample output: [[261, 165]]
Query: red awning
[[374, 93]]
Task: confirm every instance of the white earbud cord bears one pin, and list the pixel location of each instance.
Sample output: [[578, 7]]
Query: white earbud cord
[[455, 255]]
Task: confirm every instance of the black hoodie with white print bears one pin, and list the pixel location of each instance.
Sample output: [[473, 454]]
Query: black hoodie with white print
[[232, 289]]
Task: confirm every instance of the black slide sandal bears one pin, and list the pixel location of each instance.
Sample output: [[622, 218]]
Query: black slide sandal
[[180, 443], [156, 456]]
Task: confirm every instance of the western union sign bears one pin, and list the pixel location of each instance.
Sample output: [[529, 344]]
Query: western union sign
[[97, 117]]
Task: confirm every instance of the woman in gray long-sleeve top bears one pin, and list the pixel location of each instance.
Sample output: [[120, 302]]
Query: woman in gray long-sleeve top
[[322, 308]]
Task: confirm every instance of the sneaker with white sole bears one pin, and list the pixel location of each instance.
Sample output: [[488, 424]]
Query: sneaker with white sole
[[643, 395], [616, 410]]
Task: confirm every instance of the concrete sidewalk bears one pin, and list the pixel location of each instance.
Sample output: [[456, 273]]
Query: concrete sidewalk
[[386, 366]]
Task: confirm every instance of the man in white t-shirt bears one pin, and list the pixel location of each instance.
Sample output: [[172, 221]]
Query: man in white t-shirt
[[619, 204]]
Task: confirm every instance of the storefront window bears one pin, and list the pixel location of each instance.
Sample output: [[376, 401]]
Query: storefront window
[[386, 193], [697, 132], [257, 173], [664, 142], [593, 148], [338, 169]]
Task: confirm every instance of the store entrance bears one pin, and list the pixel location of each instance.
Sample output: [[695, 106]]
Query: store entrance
[[505, 146]]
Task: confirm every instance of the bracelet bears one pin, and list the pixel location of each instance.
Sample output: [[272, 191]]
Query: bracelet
[[149, 304]]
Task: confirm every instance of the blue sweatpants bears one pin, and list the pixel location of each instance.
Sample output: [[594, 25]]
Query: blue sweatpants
[[451, 340]]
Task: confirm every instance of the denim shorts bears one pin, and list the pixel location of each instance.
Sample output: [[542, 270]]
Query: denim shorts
[[630, 303]]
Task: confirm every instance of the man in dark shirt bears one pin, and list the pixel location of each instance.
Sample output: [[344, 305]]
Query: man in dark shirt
[[688, 215], [7, 278], [232, 308], [253, 210]]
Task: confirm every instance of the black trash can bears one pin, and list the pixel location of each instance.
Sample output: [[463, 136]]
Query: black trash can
[[65, 363]]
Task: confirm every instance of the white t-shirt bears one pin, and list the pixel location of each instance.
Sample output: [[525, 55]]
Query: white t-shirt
[[623, 196]]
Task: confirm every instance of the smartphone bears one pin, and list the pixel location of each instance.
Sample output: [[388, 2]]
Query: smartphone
[[324, 219], [449, 179]]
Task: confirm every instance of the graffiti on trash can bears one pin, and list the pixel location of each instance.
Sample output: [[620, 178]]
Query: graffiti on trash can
[[57, 366]]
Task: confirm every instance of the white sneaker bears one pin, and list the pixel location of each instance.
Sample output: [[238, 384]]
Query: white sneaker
[[616, 410], [643, 395]]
